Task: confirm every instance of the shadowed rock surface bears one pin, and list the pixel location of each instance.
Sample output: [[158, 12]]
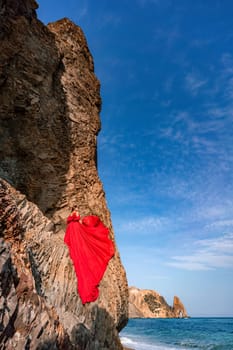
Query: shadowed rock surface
[[49, 121], [145, 303]]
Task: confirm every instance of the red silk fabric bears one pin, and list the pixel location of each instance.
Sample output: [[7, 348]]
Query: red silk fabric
[[90, 249]]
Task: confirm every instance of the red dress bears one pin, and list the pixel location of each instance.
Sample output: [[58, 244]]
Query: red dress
[[90, 249]]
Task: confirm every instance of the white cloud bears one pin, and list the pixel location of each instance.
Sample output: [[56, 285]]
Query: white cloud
[[222, 244], [210, 254], [213, 212], [194, 83], [83, 11], [221, 224], [227, 61], [218, 112], [146, 225]]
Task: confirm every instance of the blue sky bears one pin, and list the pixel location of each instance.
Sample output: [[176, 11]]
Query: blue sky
[[165, 152]]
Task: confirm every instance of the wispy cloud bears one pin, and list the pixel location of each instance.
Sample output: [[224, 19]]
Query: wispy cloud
[[83, 10], [229, 89], [221, 224], [210, 254], [227, 62], [110, 18], [206, 135], [194, 82], [215, 210], [145, 225]]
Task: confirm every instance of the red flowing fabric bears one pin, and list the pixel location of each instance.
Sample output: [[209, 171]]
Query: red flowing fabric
[[90, 249]]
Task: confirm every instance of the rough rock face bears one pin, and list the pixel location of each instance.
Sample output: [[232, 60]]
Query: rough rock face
[[178, 308], [145, 303], [28, 320], [49, 121]]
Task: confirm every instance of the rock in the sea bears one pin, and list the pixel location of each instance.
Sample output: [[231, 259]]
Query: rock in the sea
[[178, 308], [49, 121], [144, 303]]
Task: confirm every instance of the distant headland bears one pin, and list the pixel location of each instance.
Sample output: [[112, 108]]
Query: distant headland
[[144, 303]]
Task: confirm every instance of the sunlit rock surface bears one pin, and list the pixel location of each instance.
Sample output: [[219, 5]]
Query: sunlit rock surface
[[49, 121], [145, 303]]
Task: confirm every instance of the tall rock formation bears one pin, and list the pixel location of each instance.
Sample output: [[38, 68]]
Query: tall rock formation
[[49, 121], [178, 308], [144, 303]]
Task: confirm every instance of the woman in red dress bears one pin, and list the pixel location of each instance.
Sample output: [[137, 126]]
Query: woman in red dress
[[90, 249]]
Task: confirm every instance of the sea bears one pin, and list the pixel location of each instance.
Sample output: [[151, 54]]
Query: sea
[[174, 334]]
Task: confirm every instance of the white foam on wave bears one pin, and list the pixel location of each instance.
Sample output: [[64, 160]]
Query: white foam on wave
[[138, 345], [126, 341]]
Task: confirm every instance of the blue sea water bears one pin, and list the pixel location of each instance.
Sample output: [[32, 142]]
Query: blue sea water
[[174, 334]]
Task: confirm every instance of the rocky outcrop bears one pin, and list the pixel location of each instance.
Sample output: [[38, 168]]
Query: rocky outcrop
[[28, 320], [145, 303], [15, 8], [49, 121], [178, 308]]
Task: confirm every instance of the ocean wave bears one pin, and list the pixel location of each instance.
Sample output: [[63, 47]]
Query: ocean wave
[[140, 345]]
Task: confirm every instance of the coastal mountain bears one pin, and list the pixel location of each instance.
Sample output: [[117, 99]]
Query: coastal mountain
[[144, 303], [49, 122]]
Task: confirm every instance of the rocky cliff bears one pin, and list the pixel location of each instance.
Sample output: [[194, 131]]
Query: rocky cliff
[[49, 121], [145, 303]]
